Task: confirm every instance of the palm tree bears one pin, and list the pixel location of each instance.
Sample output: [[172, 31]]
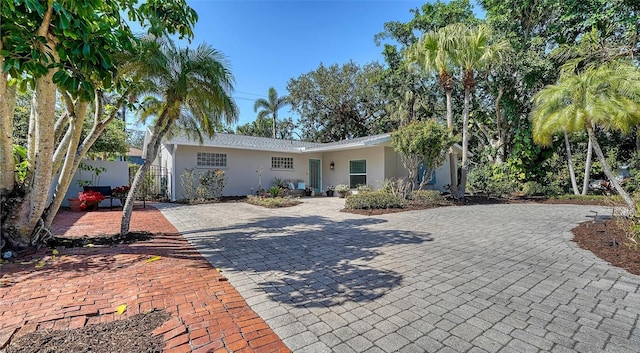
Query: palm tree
[[270, 107], [434, 53], [187, 88], [591, 51], [474, 51], [607, 96]]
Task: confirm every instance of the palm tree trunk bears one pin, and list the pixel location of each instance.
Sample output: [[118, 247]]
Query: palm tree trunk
[[159, 130], [453, 167], [572, 173], [274, 125], [608, 173], [587, 168], [465, 144], [500, 154]]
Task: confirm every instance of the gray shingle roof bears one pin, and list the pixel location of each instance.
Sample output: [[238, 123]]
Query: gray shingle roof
[[269, 144]]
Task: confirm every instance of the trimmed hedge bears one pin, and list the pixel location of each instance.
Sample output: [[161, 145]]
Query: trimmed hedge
[[372, 200], [427, 197]]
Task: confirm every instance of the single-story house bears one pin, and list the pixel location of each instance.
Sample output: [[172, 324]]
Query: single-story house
[[252, 162]]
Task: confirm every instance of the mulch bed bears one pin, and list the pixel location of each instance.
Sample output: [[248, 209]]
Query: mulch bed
[[117, 239], [609, 242], [131, 335]]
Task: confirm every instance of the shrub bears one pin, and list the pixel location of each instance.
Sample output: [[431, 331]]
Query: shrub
[[212, 182], [426, 197], [205, 186], [373, 200], [399, 188], [272, 202], [342, 188], [274, 191], [364, 188], [531, 188], [189, 185], [492, 179]]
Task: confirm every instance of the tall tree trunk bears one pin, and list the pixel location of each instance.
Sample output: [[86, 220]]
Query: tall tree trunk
[[587, 168], [465, 143], [500, 153], [26, 215], [607, 171], [22, 224], [70, 163], [572, 173], [7, 104], [453, 161], [76, 154], [71, 119], [159, 130]]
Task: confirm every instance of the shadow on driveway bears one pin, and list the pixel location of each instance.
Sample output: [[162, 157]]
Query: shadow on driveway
[[307, 261]]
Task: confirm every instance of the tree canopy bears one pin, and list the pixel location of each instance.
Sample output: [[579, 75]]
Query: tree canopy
[[338, 102], [74, 51]]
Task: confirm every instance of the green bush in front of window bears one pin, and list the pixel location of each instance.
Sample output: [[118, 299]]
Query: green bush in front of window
[[372, 200]]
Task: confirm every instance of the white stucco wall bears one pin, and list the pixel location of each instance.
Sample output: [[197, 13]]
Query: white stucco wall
[[117, 174], [375, 157], [241, 168], [242, 178]]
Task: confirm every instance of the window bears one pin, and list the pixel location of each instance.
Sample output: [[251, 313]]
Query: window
[[206, 159], [281, 162], [357, 173]]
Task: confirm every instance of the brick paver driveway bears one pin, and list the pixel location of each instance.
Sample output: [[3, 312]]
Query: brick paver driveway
[[495, 278]]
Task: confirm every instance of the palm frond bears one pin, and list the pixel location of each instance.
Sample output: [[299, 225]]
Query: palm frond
[[608, 95]]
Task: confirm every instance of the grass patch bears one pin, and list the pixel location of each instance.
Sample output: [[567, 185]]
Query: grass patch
[[273, 202]]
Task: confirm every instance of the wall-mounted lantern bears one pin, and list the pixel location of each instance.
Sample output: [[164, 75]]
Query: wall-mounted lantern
[[332, 165]]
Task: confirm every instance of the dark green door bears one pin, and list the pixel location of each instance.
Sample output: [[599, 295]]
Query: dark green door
[[315, 175]]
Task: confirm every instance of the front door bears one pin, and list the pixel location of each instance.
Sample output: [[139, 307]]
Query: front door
[[315, 175]]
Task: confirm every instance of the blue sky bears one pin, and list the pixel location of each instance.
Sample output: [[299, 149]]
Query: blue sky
[[269, 42]]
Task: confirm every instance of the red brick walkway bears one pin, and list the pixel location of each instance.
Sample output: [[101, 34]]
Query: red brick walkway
[[83, 286]]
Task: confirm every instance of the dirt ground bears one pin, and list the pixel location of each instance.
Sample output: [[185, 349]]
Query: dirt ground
[[609, 242], [132, 335]]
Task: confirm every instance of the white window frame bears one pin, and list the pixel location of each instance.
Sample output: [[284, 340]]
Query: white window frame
[[351, 174], [211, 159], [283, 163]]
